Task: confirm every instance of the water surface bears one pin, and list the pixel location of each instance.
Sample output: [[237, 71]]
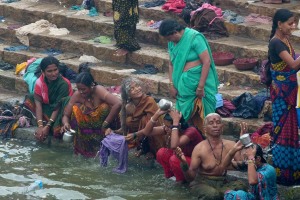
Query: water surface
[[66, 176]]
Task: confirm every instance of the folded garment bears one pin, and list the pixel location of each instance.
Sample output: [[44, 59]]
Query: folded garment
[[52, 52], [103, 39], [16, 48], [156, 25], [148, 69], [76, 8], [154, 3]]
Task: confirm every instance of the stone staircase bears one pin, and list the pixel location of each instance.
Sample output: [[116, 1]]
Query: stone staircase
[[245, 40]]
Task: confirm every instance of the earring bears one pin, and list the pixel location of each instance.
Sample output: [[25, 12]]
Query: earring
[[280, 29]]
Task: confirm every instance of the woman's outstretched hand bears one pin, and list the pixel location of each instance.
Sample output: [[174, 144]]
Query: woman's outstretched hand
[[66, 127]]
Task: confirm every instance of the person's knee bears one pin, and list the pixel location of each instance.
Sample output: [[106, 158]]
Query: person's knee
[[161, 154]]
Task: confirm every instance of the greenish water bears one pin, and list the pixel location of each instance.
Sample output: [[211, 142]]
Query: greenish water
[[66, 176]]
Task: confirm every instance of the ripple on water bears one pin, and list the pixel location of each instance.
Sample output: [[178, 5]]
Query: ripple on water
[[66, 176]]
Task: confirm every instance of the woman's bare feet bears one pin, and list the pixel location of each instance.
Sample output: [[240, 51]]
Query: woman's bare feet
[[121, 52]]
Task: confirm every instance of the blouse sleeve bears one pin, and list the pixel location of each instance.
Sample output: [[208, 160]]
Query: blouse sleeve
[[199, 45]]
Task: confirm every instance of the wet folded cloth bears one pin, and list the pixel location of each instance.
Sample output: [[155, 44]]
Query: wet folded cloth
[[16, 48], [155, 25], [154, 3], [148, 69], [102, 39], [52, 52], [76, 7], [93, 12], [9, 1]]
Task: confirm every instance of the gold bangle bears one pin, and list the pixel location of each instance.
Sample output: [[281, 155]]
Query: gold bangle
[[153, 121], [40, 126], [200, 89], [39, 120], [51, 120]]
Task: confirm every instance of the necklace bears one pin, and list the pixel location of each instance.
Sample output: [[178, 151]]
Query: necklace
[[218, 162]]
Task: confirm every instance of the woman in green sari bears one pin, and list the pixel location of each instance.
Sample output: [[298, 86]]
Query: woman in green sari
[[46, 102], [192, 73]]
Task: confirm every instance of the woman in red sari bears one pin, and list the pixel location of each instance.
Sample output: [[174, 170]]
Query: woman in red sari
[[283, 92]]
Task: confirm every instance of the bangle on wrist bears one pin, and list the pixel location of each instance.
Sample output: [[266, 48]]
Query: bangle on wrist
[[105, 125], [174, 129], [175, 126], [40, 126], [171, 83], [153, 121], [199, 89], [51, 120]]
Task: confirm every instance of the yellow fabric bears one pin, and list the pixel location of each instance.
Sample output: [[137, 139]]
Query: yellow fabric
[[20, 67]]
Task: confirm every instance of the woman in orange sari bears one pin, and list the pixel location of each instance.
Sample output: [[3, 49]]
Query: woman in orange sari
[[91, 111]]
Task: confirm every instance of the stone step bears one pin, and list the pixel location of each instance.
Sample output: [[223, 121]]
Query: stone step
[[90, 27], [108, 74], [149, 54], [246, 7], [231, 125]]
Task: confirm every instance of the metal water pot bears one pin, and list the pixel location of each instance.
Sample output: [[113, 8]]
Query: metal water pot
[[165, 104], [68, 136], [246, 140]]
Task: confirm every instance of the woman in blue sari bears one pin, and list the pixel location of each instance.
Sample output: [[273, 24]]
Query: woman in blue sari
[[261, 176], [283, 92]]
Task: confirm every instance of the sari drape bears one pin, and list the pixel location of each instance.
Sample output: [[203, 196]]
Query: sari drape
[[87, 123], [286, 150], [187, 82], [53, 95], [265, 189]]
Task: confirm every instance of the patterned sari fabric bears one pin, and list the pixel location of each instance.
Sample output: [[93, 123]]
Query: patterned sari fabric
[[87, 123], [286, 152], [53, 95], [265, 189], [126, 16]]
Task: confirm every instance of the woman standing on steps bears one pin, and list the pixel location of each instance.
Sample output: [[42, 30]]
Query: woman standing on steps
[[192, 73], [126, 16], [283, 92]]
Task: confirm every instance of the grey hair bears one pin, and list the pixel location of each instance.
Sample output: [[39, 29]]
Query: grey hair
[[125, 88], [210, 115]]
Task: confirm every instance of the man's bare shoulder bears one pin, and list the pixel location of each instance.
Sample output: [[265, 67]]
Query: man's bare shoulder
[[201, 145], [228, 143]]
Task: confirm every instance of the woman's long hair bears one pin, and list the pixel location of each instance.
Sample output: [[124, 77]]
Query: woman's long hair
[[281, 15]]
